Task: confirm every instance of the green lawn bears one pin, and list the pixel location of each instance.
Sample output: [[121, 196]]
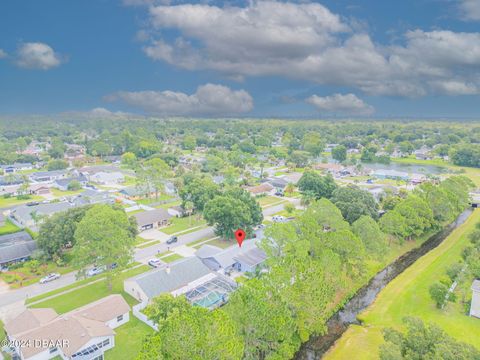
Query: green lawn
[[161, 197], [408, 295], [182, 224], [170, 204], [9, 228], [72, 300], [216, 242], [13, 201], [128, 340], [59, 193], [172, 258], [269, 200], [23, 276]]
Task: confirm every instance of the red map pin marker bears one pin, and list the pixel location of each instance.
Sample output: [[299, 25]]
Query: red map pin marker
[[240, 235]]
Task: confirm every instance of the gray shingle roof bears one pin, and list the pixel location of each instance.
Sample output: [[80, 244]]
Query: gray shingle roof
[[16, 246], [151, 216], [476, 285], [24, 213], [252, 257], [183, 272]]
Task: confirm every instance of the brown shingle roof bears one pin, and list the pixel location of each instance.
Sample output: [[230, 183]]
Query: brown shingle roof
[[265, 187], [76, 327]]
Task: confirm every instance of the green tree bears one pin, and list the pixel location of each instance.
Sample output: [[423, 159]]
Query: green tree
[[198, 190], [57, 232], [299, 158], [189, 332], [423, 342], [74, 185], [189, 142], [438, 293], [56, 165], [313, 143], [152, 174], [264, 320], [372, 237], [314, 184], [339, 153], [103, 237], [354, 202], [129, 159], [394, 224], [228, 214]]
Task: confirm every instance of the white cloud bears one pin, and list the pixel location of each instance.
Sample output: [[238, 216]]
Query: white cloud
[[470, 9], [37, 56], [209, 99], [341, 104], [3, 54], [308, 42]]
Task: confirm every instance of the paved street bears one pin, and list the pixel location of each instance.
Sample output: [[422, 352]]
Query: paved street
[[141, 255]]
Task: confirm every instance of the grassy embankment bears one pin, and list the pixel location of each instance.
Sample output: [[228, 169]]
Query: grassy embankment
[[408, 295]]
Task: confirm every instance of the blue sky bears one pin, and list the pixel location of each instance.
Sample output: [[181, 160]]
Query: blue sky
[[332, 58]]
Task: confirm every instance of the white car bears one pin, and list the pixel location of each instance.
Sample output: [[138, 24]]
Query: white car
[[154, 262], [95, 271], [49, 277]]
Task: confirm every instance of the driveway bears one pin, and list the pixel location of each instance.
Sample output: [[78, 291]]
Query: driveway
[[154, 234]]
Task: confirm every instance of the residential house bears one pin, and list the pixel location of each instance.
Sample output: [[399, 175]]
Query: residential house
[[423, 153], [10, 180], [278, 183], [31, 216], [327, 167], [16, 247], [13, 168], [234, 258], [189, 277], [90, 196], [63, 184], [262, 189], [293, 178], [179, 211], [135, 192], [107, 178], [48, 176], [475, 304], [39, 189], [84, 333], [152, 219]]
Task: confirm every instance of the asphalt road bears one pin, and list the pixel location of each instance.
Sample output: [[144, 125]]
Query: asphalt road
[[141, 255]]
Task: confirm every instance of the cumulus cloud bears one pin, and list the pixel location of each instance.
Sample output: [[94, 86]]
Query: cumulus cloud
[[37, 56], [307, 41], [470, 9], [3, 54], [341, 104], [209, 99]]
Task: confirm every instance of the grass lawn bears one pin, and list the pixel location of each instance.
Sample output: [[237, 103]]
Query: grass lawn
[[129, 181], [169, 204], [269, 200], [59, 193], [72, 300], [128, 339], [161, 197], [172, 258], [13, 201], [216, 242], [196, 242], [9, 228], [408, 295], [23, 276], [182, 224]]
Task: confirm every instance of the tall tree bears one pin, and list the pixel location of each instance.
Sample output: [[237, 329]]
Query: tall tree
[[189, 332], [316, 185], [354, 202], [372, 237], [339, 153], [104, 236]]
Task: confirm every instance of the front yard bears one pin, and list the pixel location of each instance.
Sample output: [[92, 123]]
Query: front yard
[[26, 274], [9, 228], [183, 224], [13, 201], [69, 301]]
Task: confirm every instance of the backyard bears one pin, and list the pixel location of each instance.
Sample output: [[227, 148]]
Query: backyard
[[9, 228], [408, 295], [182, 224]]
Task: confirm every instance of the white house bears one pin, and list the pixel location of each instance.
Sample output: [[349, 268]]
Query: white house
[[84, 333], [107, 178], [475, 305]]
